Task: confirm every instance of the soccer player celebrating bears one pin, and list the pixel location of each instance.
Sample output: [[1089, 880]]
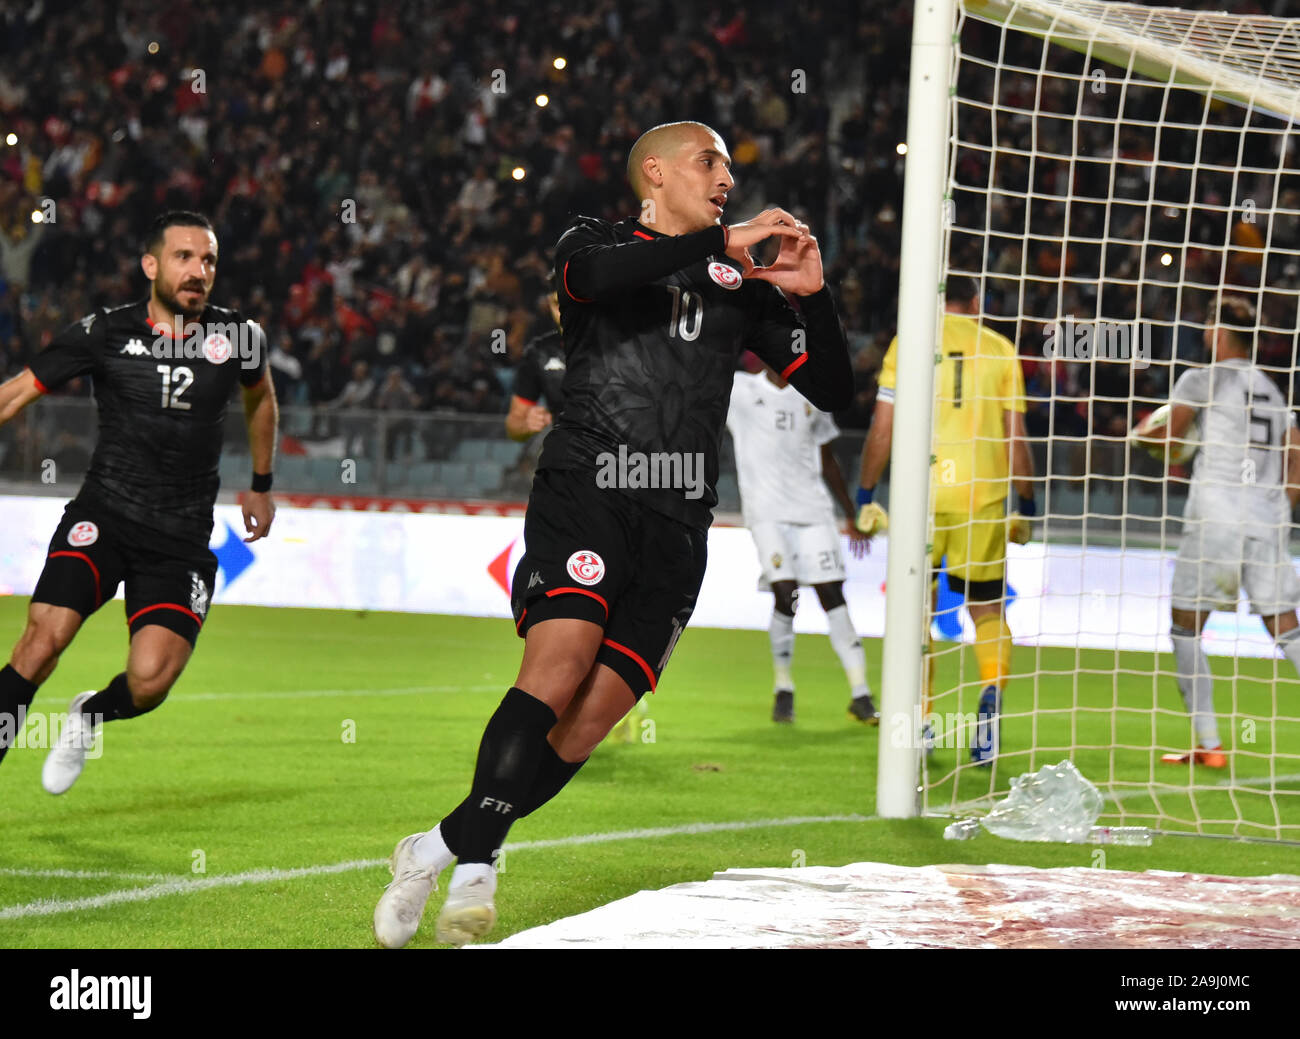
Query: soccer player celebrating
[[980, 446], [540, 377], [1249, 456], [655, 314], [144, 513], [783, 455]]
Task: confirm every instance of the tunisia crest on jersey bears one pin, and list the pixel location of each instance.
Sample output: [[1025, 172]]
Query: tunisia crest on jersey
[[725, 275], [83, 534], [216, 348], [586, 567]]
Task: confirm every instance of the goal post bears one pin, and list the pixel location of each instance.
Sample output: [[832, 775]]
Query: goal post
[[1106, 172], [919, 312]]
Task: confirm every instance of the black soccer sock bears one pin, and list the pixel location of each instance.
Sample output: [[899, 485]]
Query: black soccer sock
[[553, 775], [512, 748], [114, 703], [16, 694]]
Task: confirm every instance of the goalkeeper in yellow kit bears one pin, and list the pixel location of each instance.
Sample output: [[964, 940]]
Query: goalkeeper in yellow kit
[[980, 446]]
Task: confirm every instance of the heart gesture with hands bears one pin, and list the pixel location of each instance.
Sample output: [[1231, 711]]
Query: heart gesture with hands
[[798, 266]]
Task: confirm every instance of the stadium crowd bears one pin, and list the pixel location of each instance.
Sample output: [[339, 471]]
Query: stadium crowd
[[359, 163]]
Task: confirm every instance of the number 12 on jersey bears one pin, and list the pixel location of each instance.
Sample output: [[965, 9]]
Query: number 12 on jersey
[[175, 381]]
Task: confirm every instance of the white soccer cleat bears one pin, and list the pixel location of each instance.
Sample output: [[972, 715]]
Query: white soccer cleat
[[68, 756], [400, 908], [468, 912]]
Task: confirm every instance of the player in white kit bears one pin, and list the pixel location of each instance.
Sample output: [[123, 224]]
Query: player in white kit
[[1237, 521], [782, 455]]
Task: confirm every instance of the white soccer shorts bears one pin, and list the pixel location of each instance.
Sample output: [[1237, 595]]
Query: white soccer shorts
[[808, 553], [1216, 561]]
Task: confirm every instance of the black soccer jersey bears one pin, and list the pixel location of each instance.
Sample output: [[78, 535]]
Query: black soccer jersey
[[162, 407], [541, 372], [653, 328]]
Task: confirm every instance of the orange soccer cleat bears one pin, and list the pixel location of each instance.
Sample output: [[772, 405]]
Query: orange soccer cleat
[[1209, 758]]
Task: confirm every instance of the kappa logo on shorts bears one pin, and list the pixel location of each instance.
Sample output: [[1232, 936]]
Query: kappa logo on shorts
[[776, 560], [725, 275], [83, 534], [198, 594], [586, 567]]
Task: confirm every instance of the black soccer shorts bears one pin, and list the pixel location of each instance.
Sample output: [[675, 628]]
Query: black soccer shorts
[[93, 551], [597, 555]]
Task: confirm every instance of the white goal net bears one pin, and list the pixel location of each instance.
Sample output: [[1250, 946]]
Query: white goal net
[[1115, 170]]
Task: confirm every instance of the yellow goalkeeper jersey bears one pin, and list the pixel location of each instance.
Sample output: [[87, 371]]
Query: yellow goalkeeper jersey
[[978, 379]]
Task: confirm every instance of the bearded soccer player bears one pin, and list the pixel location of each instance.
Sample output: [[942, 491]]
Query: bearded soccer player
[[655, 312], [143, 515]]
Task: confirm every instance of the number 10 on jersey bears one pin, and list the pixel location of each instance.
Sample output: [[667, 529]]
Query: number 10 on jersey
[[681, 324]]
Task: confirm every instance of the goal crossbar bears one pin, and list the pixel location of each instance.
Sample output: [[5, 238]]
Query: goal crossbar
[[1254, 62]]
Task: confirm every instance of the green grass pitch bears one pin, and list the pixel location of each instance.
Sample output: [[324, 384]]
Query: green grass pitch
[[302, 739]]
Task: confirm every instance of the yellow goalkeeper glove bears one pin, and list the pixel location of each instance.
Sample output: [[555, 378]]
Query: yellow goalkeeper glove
[[872, 519], [1018, 525]]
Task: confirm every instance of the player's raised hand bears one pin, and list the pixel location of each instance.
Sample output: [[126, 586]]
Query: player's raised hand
[[770, 222], [259, 514], [798, 266], [872, 520]]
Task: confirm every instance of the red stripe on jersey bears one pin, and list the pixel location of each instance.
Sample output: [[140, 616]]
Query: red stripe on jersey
[[650, 675], [794, 364], [164, 606], [529, 403], [40, 386], [99, 595], [580, 591], [642, 234], [576, 299], [171, 333]]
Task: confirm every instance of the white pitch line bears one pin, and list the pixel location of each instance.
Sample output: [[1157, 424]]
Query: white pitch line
[[305, 694], [83, 874], [685, 830], [186, 886], [50, 906]]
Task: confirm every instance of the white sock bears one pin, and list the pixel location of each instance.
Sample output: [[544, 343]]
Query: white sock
[[432, 850], [1290, 643], [848, 647], [469, 872], [781, 632], [1196, 685]]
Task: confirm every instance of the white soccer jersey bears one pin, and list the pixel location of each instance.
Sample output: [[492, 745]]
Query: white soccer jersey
[[778, 437], [1238, 473]]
